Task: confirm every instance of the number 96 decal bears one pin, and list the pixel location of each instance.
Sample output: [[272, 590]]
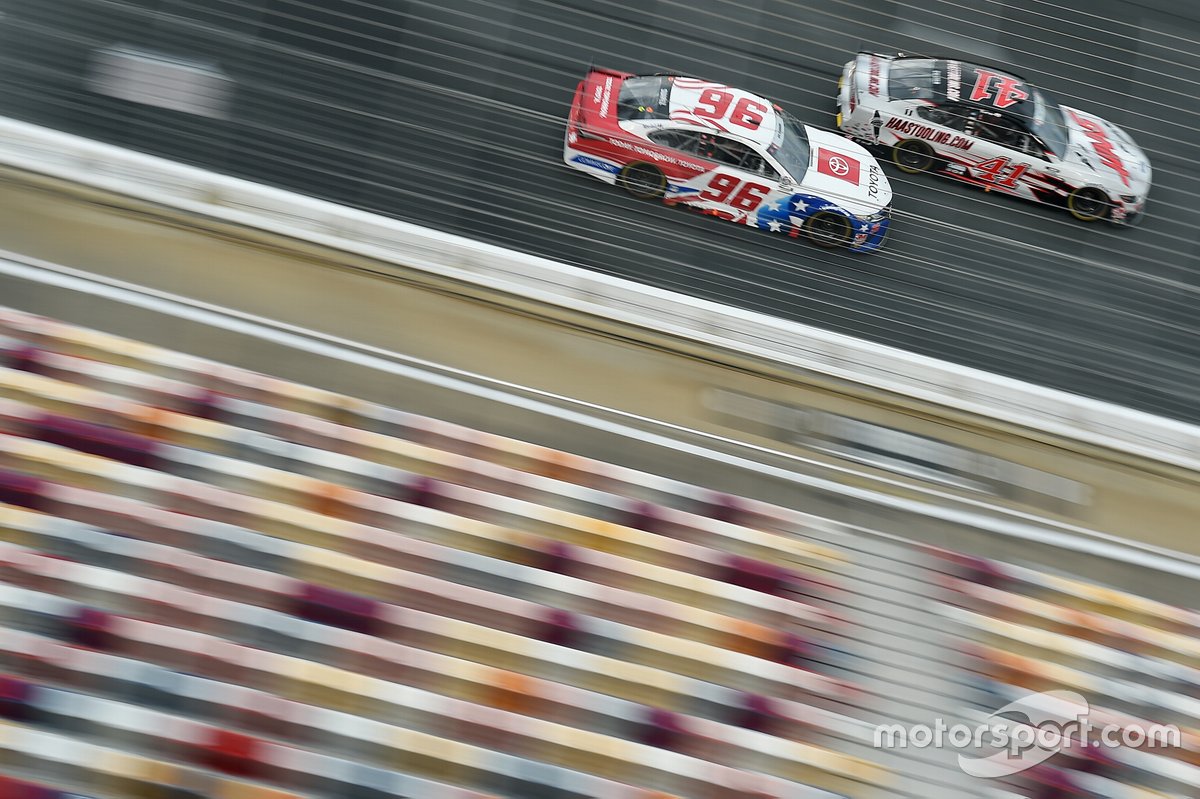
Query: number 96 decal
[[747, 198], [714, 104]]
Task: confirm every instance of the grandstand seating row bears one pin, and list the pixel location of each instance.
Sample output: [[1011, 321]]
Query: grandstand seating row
[[219, 579], [44, 443], [1027, 631]]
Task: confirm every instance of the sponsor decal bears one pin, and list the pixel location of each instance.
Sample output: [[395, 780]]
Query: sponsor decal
[[606, 98], [1006, 92], [837, 165], [595, 163], [909, 127], [1102, 145], [874, 178], [953, 80], [876, 126], [655, 155], [873, 77], [572, 136], [596, 94]]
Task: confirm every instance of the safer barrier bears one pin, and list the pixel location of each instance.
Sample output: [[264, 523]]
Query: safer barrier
[[513, 275]]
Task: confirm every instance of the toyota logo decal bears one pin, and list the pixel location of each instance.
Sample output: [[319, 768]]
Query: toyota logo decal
[[839, 166]]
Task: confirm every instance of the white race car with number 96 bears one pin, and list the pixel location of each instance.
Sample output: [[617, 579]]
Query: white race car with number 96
[[727, 153]]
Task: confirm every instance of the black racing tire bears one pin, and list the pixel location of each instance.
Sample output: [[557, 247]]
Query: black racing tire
[[913, 156], [1088, 204], [643, 180], [827, 229]]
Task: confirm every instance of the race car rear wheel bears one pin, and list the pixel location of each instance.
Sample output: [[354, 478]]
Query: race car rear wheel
[[913, 156], [827, 229], [642, 180], [1087, 204]]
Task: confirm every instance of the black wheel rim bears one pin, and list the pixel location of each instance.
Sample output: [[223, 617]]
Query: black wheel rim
[[829, 229], [913, 158], [643, 181], [1088, 204]]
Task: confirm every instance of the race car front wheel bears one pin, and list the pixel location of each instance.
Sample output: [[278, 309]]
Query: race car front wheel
[[1087, 204], [912, 155], [642, 180], [827, 229]]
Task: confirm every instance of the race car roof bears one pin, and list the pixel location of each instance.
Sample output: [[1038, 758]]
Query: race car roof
[[700, 103], [943, 80]]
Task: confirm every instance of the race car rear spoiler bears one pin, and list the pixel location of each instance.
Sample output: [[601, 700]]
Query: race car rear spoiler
[[606, 71], [595, 102]]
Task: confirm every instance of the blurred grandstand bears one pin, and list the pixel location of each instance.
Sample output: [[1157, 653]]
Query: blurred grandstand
[[216, 583], [222, 584]]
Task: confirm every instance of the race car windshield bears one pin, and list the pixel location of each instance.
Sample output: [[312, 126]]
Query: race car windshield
[[790, 146], [1049, 125], [645, 98]]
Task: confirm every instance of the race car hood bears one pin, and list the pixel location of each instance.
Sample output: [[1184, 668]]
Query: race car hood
[[1106, 150], [845, 173]]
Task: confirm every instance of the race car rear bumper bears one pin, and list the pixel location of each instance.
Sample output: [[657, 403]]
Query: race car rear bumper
[[845, 86]]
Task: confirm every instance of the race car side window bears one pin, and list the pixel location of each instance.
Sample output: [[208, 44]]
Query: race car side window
[[1039, 149], [683, 140], [755, 163], [1023, 139], [949, 115], [734, 153], [692, 142], [1002, 130], [751, 160], [715, 148]]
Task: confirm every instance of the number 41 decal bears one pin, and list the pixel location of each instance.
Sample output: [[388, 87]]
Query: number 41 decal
[[990, 171]]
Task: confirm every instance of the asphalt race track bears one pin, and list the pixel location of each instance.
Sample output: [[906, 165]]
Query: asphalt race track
[[449, 113]]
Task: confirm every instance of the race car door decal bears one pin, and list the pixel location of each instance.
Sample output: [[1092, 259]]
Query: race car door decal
[[731, 190]]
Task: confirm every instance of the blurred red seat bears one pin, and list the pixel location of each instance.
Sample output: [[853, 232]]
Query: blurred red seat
[[232, 753], [757, 575], [21, 490], [337, 608], [92, 628], [24, 358], [95, 439], [12, 788], [560, 628], [15, 695]]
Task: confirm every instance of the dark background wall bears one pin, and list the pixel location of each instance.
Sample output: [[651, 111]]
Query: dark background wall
[[315, 85]]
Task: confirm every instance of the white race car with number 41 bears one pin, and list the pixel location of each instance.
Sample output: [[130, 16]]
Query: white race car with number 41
[[992, 129]]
